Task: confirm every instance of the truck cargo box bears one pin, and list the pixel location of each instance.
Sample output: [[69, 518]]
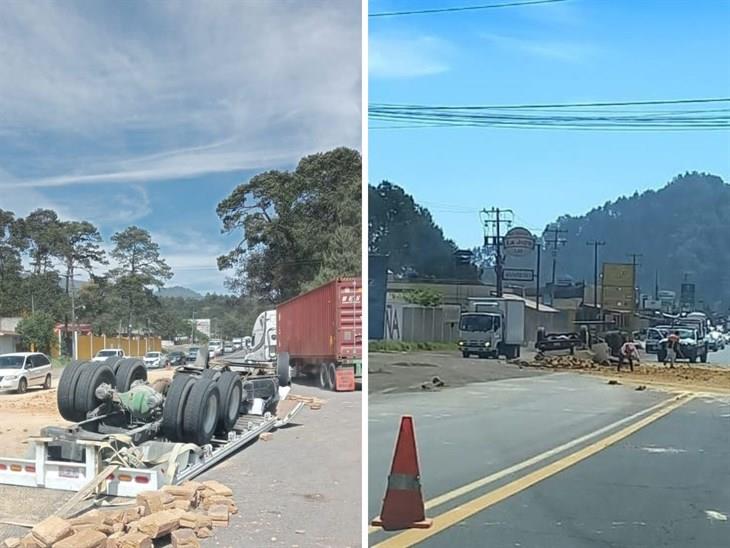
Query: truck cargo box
[[323, 325]]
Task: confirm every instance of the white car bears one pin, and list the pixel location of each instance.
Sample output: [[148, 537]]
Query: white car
[[153, 359], [20, 370], [227, 348], [106, 353], [237, 344]]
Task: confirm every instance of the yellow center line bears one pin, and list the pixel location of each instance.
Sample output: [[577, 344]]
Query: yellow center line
[[462, 512], [464, 489]]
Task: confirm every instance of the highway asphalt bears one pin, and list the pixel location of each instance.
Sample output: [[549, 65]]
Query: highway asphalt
[[666, 484]]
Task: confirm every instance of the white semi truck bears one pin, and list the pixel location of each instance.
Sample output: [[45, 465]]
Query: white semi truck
[[492, 327], [263, 338]]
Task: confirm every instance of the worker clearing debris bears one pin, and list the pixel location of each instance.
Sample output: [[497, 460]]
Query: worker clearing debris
[[629, 353]]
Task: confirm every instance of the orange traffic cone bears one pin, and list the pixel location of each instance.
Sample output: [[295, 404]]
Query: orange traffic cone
[[403, 502]]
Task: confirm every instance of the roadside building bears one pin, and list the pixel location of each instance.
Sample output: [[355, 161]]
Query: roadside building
[[9, 339]]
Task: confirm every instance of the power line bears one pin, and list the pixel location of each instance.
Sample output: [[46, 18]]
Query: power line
[[464, 8], [605, 116], [559, 105]]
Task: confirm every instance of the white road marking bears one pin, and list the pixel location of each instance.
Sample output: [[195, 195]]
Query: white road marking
[[663, 450], [718, 516]]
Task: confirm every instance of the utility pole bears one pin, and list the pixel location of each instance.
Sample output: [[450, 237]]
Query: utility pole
[[495, 218], [538, 245], [554, 240], [596, 244], [634, 264]]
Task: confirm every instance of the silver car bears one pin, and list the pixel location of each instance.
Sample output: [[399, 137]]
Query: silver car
[[20, 370]]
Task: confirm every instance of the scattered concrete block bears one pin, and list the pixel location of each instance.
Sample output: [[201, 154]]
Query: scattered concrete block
[[184, 538], [88, 538], [134, 540], [266, 436], [159, 524], [51, 530]]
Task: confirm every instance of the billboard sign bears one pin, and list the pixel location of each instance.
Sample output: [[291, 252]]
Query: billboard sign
[[687, 296], [518, 274], [518, 242], [618, 286]]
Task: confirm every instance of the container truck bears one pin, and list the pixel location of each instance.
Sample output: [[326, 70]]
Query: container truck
[[319, 334], [492, 328]]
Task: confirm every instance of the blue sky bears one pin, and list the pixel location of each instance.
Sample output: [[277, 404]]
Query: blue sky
[[150, 113], [574, 51]]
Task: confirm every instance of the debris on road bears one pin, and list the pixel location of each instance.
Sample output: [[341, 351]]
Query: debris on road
[[613, 382], [155, 515], [434, 383]]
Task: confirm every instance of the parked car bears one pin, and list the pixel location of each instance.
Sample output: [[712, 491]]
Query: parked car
[[20, 370], [154, 359], [176, 358], [106, 353], [227, 348], [237, 344], [192, 353]]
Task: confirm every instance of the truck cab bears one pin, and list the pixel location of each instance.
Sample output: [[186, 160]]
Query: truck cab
[[263, 338], [492, 328]]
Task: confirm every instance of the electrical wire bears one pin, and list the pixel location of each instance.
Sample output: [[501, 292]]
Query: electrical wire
[[463, 8], [605, 116]]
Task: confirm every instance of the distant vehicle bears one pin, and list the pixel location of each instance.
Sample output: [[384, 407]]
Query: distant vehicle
[[176, 358], [654, 335], [211, 353], [715, 341], [227, 348], [20, 370], [237, 343], [106, 353], [247, 342], [691, 347], [492, 328], [153, 360], [216, 345], [192, 353]]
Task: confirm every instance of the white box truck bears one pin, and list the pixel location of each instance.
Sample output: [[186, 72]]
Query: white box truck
[[492, 327]]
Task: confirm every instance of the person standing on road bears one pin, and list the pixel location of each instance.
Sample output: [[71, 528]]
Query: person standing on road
[[629, 353], [672, 349]]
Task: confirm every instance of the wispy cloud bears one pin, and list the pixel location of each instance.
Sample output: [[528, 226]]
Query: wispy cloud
[[101, 93], [565, 51], [402, 57]]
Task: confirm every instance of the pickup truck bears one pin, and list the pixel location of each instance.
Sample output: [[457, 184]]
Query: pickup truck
[[102, 355]]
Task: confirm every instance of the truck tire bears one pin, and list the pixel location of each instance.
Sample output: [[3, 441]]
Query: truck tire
[[209, 373], [114, 362], [200, 416], [66, 390], [323, 377], [283, 369], [128, 371], [332, 376], [661, 355], [172, 410], [231, 391], [703, 358], [91, 378], [464, 354]]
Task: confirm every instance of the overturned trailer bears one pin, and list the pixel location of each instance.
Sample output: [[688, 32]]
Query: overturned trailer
[[140, 436]]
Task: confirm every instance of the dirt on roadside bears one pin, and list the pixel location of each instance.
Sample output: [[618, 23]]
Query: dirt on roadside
[[702, 378], [410, 371], [23, 415]]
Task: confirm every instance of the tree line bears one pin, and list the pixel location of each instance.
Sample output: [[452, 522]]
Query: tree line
[[41, 257]]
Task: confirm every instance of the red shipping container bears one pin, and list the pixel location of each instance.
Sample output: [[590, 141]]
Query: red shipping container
[[323, 325]]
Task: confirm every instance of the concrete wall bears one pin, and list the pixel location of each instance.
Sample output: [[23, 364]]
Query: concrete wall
[[89, 345], [413, 323], [8, 343]]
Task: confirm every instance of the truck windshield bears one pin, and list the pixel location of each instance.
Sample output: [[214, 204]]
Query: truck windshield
[[476, 322]]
